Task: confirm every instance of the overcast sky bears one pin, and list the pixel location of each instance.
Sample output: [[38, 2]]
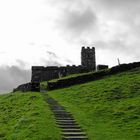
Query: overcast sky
[[52, 32]]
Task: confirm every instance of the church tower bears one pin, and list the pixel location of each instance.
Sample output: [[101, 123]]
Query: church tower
[[88, 58]]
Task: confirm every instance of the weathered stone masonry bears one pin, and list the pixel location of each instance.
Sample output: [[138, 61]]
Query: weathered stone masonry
[[88, 63], [41, 73], [88, 58]]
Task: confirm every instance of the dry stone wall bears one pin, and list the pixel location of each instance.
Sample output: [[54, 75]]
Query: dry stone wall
[[62, 83]]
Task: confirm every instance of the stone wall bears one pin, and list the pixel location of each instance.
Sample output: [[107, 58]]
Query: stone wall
[[62, 83], [40, 73], [36, 73], [102, 67]]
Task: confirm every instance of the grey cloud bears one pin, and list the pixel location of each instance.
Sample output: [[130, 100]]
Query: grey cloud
[[64, 3], [126, 10], [68, 61], [2, 52], [52, 59], [52, 54], [119, 46], [51, 62], [56, 62], [32, 44], [11, 77], [21, 63], [127, 13], [114, 45], [81, 17], [74, 18], [82, 21], [76, 26], [116, 3], [106, 2], [79, 22], [47, 45]]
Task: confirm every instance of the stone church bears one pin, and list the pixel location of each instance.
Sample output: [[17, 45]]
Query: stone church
[[88, 63], [41, 73]]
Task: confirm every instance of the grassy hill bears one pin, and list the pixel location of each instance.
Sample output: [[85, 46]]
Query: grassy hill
[[108, 109], [26, 116]]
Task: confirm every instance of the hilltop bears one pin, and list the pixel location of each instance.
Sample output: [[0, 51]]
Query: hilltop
[[108, 108]]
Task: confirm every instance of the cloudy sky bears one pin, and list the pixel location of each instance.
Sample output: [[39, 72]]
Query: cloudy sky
[[51, 32]]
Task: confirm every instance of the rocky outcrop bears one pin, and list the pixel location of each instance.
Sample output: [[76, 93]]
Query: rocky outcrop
[[24, 87]]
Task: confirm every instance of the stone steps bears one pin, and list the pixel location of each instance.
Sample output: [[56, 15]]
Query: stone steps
[[75, 138], [66, 123], [74, 134], [70, 129]]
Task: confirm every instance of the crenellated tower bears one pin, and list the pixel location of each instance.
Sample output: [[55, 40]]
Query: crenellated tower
[[88, 58]]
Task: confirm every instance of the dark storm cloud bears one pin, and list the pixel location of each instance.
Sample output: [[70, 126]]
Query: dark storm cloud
[[11, 77]]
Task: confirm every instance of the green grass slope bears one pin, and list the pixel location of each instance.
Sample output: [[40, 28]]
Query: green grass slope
[[26, 116], [108, 109]]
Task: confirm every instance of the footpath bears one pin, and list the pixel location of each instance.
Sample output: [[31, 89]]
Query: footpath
[[70, 129]]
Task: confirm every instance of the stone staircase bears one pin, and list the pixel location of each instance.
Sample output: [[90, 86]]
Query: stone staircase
[[70, 129]]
